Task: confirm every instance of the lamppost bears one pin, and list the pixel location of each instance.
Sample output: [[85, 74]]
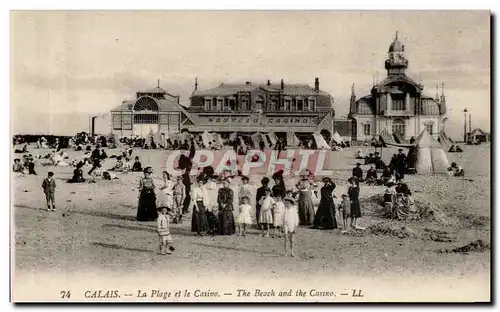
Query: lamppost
[[465, 125]]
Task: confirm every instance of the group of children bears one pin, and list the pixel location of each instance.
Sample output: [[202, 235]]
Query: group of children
[[282, 213]]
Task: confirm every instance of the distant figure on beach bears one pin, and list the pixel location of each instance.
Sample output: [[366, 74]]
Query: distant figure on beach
[[49, 188]]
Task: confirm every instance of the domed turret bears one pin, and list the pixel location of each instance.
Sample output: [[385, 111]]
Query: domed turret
[[396, 45], [396, 63]]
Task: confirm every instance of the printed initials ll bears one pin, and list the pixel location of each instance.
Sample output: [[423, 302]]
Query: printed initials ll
[[358, 293]]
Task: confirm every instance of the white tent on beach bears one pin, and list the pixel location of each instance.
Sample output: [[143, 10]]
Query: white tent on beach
[[320, 141], [208, 138], [291, 139], [257, 138], [431, 158], [272, 138], [337, 138]]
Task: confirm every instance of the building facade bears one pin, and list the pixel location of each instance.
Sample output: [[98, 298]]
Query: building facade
[[267, 107], [152, 110], [397, 104]]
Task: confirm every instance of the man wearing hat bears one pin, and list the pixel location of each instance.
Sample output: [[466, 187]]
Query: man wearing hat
[[96, 157], [400, 165], [358, 172]]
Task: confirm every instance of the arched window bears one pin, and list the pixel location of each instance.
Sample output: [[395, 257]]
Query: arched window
[[259, 103], [145, 104], [398, 126], [311, 103]]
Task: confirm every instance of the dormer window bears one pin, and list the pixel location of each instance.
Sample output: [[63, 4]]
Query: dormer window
[[287, 103], [312, 103], [220, 103], [300, 104], [208, 103]]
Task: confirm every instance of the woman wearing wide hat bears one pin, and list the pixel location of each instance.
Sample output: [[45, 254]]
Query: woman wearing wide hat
[[325, 216]]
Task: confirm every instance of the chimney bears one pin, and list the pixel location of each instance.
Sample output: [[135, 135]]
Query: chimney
[[248, 83], [195, 83], [269, 82], [282, 85], [316, 84]]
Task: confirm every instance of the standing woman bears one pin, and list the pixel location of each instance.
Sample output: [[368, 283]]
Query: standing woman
[[305, 204], [199, 202], [353, 192], [226, 218], [168, 190], [147, 198], [325, 216], [279, 188]]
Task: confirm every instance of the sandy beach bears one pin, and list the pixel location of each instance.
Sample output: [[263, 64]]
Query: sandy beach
[[94, 235]]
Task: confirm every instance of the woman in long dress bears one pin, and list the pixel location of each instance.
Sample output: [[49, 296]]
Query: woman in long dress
[[199, 202], [325, 216], [226, 218], [305, 203], [353, 193], [167, 190], [147, 198]]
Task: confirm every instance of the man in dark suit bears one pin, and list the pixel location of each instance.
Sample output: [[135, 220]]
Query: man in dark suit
[[401, 165], [96, 157], [49, 188]]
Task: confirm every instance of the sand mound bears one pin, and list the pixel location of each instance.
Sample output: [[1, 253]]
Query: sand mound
[[401, 231], [475, 246], [427, 211]]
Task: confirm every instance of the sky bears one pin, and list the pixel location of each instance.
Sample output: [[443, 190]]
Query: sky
[[68, 65]]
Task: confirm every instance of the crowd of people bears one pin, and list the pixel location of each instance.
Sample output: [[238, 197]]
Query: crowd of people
[[217, 206]]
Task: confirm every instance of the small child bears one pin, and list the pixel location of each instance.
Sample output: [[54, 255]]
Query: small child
[[345, 210], [266, 212], [49, 188], [290, 222], [163, 231], [278, 213], [245, 215]]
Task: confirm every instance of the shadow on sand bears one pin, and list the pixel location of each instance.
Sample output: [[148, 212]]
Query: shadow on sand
[[237, 249], [113, 246], [88, 213], [151, 229]]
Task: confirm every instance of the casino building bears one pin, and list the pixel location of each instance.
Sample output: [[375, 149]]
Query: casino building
[[250, 108], [397, 104]]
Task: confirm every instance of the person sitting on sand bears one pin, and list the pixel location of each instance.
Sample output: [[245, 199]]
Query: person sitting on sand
[[371, 175], [405, 207], [137, 167], [17, 167], [457, 170], [358, 172], [386, 175], [118, 165], [359, 154], [77, 174]]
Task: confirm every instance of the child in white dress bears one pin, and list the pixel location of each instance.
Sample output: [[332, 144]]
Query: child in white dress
[[290, 222], [245, 216], [278, 214], [266, 212]]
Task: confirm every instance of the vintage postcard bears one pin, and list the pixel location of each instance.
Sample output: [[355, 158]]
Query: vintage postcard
[[250, 156]]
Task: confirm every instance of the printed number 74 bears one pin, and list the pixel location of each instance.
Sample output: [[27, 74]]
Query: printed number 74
[[65, 294]]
